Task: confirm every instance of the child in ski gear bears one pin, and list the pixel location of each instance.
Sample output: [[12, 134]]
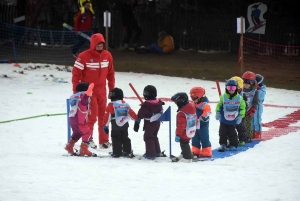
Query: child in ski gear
[[118, 113], [96, 65], [229, 111], [249, 89], [203, 110], [257, 120], [241, 129], [78, 118], [186, 121], [150, 111]]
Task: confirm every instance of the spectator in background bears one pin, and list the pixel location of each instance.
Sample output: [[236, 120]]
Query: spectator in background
[[83, 9], [130, 24], [83, 23], [165, 44]]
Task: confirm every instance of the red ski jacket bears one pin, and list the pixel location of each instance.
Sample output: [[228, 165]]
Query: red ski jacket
[[82, 24], [94, 67], [181, 120]]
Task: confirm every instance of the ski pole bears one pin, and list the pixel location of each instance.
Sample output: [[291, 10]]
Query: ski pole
[[137, 95], [218, 86], [68, 121]]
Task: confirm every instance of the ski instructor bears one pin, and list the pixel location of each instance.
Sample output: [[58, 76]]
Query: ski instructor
[[95, 65]]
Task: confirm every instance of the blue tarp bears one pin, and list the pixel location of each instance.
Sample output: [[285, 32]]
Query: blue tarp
[[227, 153]]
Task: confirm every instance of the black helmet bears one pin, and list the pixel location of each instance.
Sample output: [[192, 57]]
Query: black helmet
[[180, 99], [259, 78], [149, 92], [82, 86], [116, 94]]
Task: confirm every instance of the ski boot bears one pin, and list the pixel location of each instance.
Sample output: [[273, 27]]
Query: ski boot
[[130, 155], [242, 143], [232, 148], [161, 154], [70, 147], [84, 150], [92, 144], [206, 152], [176, 159], [222, 148]]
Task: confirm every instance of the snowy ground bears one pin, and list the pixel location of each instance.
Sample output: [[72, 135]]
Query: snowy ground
[[32, 166]]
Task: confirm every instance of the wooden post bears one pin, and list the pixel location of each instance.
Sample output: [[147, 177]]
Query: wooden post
[[106, 30]]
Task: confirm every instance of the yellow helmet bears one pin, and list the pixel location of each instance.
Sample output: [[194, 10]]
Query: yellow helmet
[[239, 80]]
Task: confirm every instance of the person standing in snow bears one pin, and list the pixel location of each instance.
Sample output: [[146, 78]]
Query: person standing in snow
[[186, 121], [78, 119], [150, 111], [257, 118], [241, 129], [250, 91], [118, 113], [201, 146], [96, 65], [229, 111]]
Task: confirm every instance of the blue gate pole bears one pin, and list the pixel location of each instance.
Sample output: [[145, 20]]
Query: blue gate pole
[[170, 140], [68, 121]]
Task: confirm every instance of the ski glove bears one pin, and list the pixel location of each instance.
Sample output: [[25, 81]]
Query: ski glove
[[177, 138], [218, 115], [238, 119], [136, 125], [105, 129], [90, 90], [251, 112]]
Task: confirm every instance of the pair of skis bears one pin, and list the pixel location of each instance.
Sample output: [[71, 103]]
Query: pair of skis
[[78, 32], [175, 159]]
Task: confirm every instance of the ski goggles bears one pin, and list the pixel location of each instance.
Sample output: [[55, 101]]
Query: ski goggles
[[248, 81], [232, 88]]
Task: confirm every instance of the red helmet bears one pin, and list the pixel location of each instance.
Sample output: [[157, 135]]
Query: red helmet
[[248, 75], [197, 92]]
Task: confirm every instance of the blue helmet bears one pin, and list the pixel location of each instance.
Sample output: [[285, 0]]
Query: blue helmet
[[180, 99], [231, 82]]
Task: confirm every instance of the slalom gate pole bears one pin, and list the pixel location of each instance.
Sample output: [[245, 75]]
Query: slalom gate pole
[[170, 140], [15, 54], [68, 121], [137, 95], [218, 86]]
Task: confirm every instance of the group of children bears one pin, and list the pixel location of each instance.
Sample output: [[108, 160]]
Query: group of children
[[239, 111], [117, 113]]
